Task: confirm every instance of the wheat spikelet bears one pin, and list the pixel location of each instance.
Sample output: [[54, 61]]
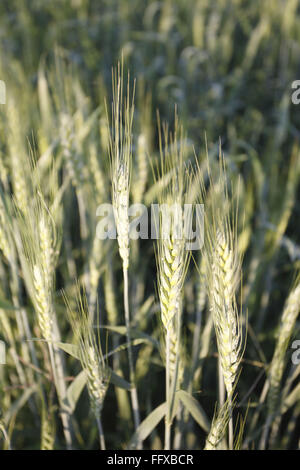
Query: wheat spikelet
[[121, 202], [225, 271], [172, 268], [287, 324], [47, 251], [42, 303], [171, 275]]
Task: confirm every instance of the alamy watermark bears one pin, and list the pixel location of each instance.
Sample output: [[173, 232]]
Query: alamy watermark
[[183, 223], [296, 93], [296, 354]]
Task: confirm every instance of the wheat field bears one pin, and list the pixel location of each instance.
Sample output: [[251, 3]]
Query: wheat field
[[137, 339]]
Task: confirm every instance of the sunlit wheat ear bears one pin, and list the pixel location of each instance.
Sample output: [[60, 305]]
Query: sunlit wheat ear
[[223, 283], [172, 260], [47, 240], [172, 265], [120, 151], [287, 325], [43, 305]]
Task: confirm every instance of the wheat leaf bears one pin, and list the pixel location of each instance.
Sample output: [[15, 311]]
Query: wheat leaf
[[194, 408]]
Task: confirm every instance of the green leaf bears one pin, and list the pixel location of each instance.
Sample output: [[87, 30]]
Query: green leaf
[[147, 426], [75, 389], [121, 330], [124, 346], [6, 305], [73, 350], [194, 408], [118, 381], [69, 348]]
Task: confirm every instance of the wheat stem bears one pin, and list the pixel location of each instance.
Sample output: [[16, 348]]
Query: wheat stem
[[65, 418], [101, 434], [133, 391], [168, 398]]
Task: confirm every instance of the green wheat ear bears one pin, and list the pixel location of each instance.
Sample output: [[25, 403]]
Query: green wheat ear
[[38, 245], [90, 351], [172, 256], [120, 153], [223, 272]]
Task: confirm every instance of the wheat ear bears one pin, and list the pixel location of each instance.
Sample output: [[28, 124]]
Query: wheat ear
[[223, 277], [120, 150], [226, 317]]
